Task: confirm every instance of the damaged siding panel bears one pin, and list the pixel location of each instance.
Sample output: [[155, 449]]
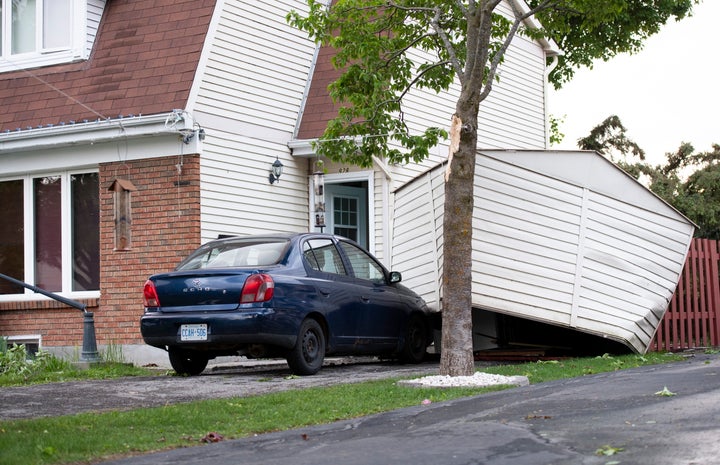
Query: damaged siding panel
[[632, 258], [655, 239], [525, 241], [564, 238]]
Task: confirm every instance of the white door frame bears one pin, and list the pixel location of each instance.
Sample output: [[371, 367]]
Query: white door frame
[[339, 178]]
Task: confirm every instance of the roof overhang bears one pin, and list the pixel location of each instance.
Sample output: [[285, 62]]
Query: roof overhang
[[176, 123], [302, 148], [549, 46]]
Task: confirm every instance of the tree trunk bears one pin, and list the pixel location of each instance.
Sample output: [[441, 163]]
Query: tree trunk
[[456, 356]]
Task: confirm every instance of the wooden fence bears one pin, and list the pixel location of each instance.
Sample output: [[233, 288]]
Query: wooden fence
[[693, 316]]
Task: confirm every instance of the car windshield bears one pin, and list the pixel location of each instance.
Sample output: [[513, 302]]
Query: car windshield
[[235, 254]]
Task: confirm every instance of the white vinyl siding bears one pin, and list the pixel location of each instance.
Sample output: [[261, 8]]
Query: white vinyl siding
[[247, 96], [257, 67], [236, 197], [95, 10]]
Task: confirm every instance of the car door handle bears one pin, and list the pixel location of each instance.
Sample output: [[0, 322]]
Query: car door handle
[[324, 292], [365, 299]]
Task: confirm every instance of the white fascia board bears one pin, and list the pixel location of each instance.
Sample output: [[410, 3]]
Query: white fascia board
[[302, 148], [95, 132], [549, 45]]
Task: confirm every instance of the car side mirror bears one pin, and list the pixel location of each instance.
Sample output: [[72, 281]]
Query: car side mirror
[[395, 277]]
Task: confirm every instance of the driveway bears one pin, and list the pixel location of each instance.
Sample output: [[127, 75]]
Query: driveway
[[561, 423], [222, 381]]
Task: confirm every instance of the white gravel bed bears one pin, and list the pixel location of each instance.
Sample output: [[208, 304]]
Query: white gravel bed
[[479, 379]]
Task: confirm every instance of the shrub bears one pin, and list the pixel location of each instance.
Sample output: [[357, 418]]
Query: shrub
[[14, 361]]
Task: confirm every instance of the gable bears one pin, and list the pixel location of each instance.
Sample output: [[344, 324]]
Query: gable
[[514, 112]]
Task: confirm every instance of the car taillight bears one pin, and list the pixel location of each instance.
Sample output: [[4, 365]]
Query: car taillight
[[150, 297], [257, 288]]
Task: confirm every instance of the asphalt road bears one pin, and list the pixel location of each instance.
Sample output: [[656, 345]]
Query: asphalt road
[[561, 423]]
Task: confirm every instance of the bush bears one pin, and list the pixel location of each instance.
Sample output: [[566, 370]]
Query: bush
[[14, 361]]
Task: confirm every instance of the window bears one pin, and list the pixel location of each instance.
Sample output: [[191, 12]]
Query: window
[[345, 216], [52, 228], [322, 255], [363, 265], [235, 253], [41, 32]]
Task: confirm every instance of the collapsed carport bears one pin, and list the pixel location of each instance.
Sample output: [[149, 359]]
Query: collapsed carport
[[565, 245]]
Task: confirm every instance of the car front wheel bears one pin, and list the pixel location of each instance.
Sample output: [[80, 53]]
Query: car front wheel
[[307, 357], [415, 340], [187, 362]]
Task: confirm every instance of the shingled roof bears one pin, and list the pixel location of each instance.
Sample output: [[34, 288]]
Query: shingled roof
[[143, 62], [319, 106]]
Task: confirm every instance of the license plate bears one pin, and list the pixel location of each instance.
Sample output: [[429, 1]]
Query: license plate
[[193, 332]]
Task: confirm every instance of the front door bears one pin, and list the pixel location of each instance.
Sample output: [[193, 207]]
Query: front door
[[347, 213]]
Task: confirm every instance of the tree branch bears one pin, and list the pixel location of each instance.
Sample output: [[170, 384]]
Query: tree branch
[[435, 22]]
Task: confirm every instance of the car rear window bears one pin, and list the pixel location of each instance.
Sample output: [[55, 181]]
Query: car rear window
[[235, 254]]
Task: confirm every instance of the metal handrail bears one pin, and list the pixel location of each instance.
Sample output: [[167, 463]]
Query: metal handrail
[[89, 351]]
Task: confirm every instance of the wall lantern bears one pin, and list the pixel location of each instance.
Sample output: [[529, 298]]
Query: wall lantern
[[276, 170]]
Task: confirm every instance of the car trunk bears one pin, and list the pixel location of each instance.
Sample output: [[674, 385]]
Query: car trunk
[[213, 289]]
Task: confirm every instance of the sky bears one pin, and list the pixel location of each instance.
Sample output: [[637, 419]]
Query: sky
[[666, 94]]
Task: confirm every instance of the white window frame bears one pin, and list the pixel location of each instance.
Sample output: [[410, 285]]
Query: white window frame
[[75, 51], [66, 236]]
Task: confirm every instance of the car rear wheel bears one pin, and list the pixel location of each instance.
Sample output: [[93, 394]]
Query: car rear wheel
[[415, 340], [187, 362], [307, 357]]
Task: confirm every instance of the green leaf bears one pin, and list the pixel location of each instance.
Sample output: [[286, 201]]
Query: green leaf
[[665, 393], [608, 450]]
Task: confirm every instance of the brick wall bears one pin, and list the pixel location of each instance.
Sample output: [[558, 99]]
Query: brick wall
[[55, 322], [165, 228]]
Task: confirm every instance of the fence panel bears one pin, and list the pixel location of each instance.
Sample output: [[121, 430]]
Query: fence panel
[[693, 316]]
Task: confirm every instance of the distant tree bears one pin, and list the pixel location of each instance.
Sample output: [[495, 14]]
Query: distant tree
[[688, 181], [610, 139]]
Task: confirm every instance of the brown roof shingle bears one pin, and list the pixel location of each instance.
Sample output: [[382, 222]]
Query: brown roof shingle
[[319, 107], [143, 62]]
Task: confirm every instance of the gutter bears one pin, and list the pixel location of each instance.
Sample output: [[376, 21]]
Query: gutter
[[177, 122]]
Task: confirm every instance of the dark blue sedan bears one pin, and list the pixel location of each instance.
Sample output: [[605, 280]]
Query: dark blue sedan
[[300, 297]]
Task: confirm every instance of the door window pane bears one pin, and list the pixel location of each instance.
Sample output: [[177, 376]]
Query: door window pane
[[345, 217], [85, 211], [48, 233], [12, 261]]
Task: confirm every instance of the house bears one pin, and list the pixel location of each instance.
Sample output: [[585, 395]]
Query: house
[[134, 131]]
